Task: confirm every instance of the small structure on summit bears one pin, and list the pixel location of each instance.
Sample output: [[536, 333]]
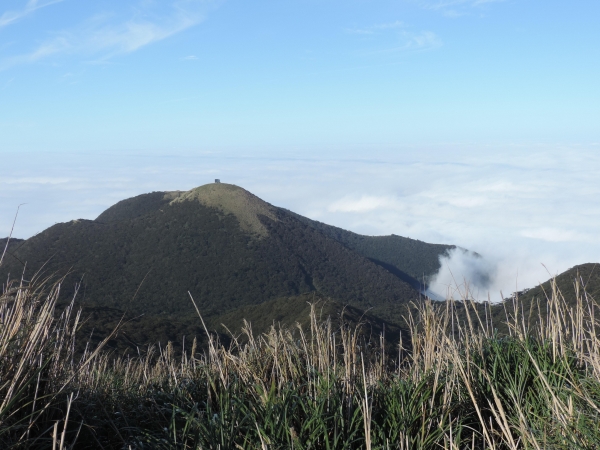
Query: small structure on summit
[[217, 180]]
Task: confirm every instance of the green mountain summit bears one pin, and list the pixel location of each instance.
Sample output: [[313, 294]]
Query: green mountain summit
[[229, 249]]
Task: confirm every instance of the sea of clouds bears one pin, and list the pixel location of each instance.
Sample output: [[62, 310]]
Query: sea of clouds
[[529, 212]]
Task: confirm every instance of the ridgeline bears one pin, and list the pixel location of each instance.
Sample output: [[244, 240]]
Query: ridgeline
[[229, 249]]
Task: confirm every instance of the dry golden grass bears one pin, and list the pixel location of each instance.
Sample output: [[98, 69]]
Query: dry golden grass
[[458, 386]]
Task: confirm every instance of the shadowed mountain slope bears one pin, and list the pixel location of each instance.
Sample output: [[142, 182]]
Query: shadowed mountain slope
[[288, 312], [137, 331], [12, 244], [588, 276], [7, 250], [413, 260]]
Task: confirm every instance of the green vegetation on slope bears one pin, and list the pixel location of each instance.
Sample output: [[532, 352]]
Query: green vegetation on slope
[[143, 255], [410, 259], [137, 330], [12, 244], [190, 247], [231, 199], [291, 312], [585, 275]]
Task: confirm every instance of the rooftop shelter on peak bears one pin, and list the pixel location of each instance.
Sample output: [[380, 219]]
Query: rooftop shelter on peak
[[232, 199]]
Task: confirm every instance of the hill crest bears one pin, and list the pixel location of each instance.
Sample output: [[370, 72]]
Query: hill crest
[[227, 247], [232, 199]]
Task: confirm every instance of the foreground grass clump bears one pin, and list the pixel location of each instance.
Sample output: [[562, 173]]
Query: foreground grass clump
[[454, 384]]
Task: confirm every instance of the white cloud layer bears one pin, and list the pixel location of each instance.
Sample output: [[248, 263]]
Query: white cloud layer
[[529, 211]]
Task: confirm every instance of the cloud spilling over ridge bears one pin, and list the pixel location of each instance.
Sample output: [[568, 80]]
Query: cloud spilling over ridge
[[502, 270], [463, 274]]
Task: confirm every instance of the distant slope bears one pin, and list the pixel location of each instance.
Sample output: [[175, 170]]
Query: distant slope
[[410, 259], [134, 207], [529, 299], [137, 331], [588, 276], [287, 312], [12, 244]]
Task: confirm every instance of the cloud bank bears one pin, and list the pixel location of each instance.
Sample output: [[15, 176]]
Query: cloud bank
[[530, 212]]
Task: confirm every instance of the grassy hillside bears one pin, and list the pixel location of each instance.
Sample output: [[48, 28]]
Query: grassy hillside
[[567, 286], [6, 252], [584, 276], [228, 248], [291, 312], [134, 207], [137, 330], [190, 247], [531, 307]]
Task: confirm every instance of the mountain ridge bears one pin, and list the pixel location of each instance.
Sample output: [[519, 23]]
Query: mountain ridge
[[226, 246], [238, 256]]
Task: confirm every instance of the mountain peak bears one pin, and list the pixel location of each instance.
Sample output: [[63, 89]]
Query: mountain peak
[[232, 199]]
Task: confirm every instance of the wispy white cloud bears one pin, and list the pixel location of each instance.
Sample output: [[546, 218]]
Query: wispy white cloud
[[8, 83], [403, 38], [190, 58], [551, 234], [419, 41], [10, 17], [134, 34], [413, 42], [364, 203], [444, 4], [455, 8], [46, 49], [390, 25], [102, 37], [373, 29], [363, 31], [34, 180]]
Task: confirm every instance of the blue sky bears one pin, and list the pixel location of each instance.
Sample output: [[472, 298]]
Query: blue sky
[[456, 121], [239, 75]]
